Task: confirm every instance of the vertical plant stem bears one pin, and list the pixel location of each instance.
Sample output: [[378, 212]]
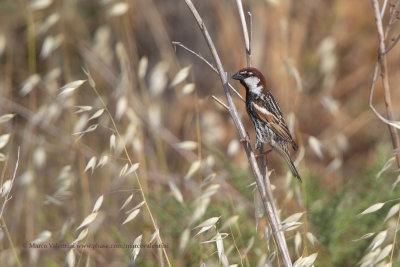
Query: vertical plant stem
[[382, 62], [281, 242], [264, 161], [11, 242], [7, 196], [136, 175], [245, 32], [385, 77], [6, 199]]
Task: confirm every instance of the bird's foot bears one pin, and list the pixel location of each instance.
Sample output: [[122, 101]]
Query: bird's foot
[[258, 144], [263, 153]]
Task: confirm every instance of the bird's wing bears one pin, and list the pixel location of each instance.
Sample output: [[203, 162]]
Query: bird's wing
[[272, 116]]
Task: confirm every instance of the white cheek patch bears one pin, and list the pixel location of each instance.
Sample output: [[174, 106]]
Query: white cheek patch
[[252, 84]]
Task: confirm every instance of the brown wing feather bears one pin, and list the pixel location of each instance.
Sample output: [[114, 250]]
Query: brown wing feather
[[278, 126]]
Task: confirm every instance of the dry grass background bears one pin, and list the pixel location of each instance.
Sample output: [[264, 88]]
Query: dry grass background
[[318, 58]]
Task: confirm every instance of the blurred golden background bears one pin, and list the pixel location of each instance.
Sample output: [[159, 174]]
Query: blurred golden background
[[97, 86]]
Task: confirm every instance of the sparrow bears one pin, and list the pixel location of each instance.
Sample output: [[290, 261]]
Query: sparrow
[[264, 111]]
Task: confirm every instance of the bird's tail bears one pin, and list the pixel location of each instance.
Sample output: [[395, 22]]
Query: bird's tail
[[285, 155]]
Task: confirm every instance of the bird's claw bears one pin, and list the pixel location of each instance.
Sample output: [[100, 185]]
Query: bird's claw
[[258, 145], [263, 153]]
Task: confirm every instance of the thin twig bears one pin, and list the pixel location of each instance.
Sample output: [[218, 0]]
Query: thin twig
[[196, 54], [394, 239], [7, 197], [245, 32], [251, 31], [281, 243], [371, 96], [383, 8], [209, 64], [220, 102], [394, 42], [264, 161], [135, 172], [393, 17], [382, 61], [236, 92], [111, 77], [385, 78]]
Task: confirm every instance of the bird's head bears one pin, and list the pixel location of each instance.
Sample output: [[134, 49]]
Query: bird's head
[[252, 79]]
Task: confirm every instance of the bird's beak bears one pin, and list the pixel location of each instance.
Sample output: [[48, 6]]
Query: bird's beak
[[237, 76]]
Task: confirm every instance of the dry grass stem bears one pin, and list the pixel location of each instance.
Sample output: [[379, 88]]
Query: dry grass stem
[[136, 175], [210, 65], [220, 102], [281, 242], [247, 42], [144, 147], [264, 162], [7, 196], [382, 60]]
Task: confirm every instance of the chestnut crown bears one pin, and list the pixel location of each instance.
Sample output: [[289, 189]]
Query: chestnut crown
[[252, 79]]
